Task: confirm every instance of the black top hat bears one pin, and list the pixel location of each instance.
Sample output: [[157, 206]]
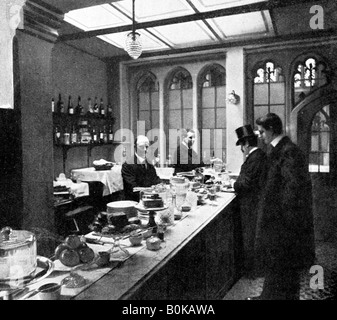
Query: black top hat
[[244, 132]]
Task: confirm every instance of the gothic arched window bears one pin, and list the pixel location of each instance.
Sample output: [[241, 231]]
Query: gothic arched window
[[308, 76], [212, 112], [319, 156], [269, 91], [148, 101]]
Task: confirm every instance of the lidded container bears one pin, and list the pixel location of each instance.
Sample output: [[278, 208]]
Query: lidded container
[[18, 254]]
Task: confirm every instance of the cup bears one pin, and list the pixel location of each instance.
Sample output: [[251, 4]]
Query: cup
[[49, 291], [136, 240], [103, 258]]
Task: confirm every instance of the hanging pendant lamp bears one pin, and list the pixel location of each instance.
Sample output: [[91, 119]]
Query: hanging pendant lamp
[[133, 45]]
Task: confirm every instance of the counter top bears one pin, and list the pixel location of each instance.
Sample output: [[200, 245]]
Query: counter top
[[122, 282]]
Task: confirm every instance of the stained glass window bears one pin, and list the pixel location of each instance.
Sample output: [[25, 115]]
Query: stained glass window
[[309, 75]]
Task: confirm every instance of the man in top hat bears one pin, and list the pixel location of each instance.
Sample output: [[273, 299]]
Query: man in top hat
[[137, 171], [248, 187]]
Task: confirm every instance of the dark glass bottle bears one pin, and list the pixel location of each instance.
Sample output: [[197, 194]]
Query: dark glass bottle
[[70, 106], [57, 135], [60, 105], [73, 136], [96, 107], [109, 111], [101, 135], [79, 107], [94, 137], [110, 134]]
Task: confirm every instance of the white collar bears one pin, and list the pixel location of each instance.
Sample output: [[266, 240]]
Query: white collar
[[141, 160], [251, 151], [277, 140]]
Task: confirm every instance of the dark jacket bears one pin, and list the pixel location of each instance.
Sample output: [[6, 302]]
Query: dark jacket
[[186, 159], [136, 175], [248, 187], [285, 232]]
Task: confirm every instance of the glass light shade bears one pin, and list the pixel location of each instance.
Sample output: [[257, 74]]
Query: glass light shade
[[133, 45]]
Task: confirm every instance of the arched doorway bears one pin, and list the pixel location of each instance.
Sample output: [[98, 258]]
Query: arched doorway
[[315, 122]]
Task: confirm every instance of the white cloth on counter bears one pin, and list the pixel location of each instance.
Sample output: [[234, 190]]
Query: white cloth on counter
[[112, 179], [80, 189]]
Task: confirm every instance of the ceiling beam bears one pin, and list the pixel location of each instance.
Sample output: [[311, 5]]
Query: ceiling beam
[[320, 35], [258, 6]]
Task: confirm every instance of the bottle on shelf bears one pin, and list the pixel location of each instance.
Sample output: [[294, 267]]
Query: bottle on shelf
[[52, 105], [90, 107], [66, 137], [109, 111], [57, 135], [73, 136], [79, 107], [94, 137], [70, 106], [101, 135], [110, 134], [60, 105], [96, 108], [105, 135], [101, 108]]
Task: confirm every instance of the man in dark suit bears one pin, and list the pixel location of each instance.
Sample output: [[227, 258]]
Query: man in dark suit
[[137, 171], [285, 231], [248, 187], [186, 159]]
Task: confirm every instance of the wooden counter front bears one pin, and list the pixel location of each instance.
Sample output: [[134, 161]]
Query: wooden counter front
[[199, 259]]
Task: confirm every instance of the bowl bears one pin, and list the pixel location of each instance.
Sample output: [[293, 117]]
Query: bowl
[[185, 208], [136, 239], [49, 291]]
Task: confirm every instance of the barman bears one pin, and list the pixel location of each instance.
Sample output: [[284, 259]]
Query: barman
[[137, 170]]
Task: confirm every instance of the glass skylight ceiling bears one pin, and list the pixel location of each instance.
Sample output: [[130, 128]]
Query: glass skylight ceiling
[[179, 35]]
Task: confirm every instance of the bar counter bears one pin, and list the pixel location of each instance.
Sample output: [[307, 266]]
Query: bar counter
[[198, 260]]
